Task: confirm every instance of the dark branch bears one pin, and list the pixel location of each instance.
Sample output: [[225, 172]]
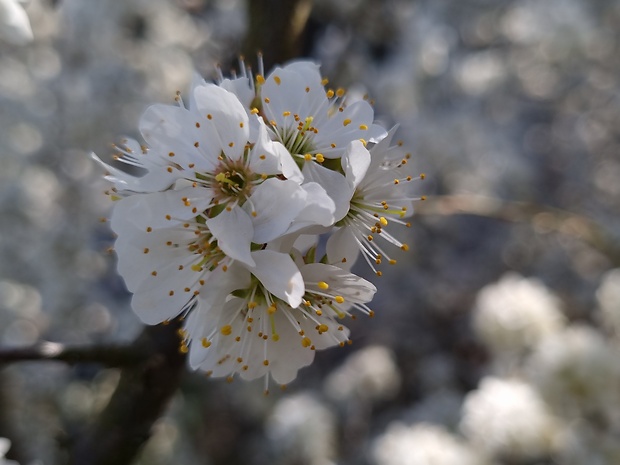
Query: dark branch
[[113, 355], [542, 218], [117, 434]]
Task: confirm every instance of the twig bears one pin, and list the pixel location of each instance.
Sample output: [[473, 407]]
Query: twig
[[542, 218], [113, 355]]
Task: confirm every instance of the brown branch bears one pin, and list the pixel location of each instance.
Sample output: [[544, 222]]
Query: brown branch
[[276, 28], [118, 433], [542, 218], [113, 355]]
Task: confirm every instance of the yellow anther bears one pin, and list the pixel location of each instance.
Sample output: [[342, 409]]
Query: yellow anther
[[392, 262], [272, 309], [320, 158], [323, 328], [266, 362], [226, 330], [254, 111], [305, 341], [363, 127], [340, 92], [422, 176], [209, 116], [323, 285], [260, 79], [171, 154], [364, 142], [307, 157], [275, 337], [405, 247], [383, 221], [286, 113], [277, 79], [339, 299], [205, 342], [330, 93], [346, 122], [324, 81], [146, 250], [183, 348]]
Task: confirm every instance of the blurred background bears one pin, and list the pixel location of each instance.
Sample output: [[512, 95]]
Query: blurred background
[[495, 339]]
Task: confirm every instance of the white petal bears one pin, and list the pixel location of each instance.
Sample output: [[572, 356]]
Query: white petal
[[159, 209], [287, 355], [276, 203], [265, 155], [173, 133], [297, 89], [136, 266], [279, 274], [341, 282], [334, 184], [150, 181], [318, 210], [226, 118], [289, 168], [355, 163], [342, 248], [211, 307], [234, 231], [241, 88]]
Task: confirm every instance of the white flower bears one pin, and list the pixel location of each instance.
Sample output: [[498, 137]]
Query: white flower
[[271, 318], [422, 444], [507, 417], [514, 314], [14, 24], [309, 120], [374, 195], [223, 221], [224, 198]]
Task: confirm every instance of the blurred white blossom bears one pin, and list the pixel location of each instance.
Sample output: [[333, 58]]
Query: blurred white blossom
[[5, 445], [368, 374], [608, 297], [14, 24], [577, 372], [302, 430], [515, 313], [507, 417], [422, 444]]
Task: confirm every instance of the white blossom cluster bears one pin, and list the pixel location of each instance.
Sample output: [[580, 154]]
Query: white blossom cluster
[[255, 199], [552, 393], [560, 399]]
